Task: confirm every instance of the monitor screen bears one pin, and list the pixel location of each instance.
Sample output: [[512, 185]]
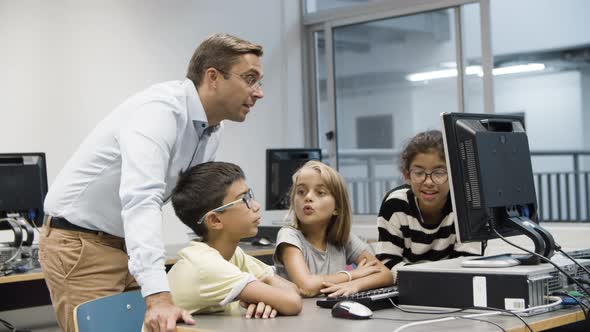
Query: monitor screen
[[280, 166], [490, 172], [23, 185]]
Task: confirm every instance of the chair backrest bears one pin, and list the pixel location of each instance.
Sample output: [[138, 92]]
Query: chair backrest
[[120, 312]]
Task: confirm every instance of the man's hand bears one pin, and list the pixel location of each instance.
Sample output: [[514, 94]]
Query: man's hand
[[259, 310], [161, 314]]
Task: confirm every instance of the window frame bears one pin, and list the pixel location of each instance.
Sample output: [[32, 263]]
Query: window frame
[[329, 20]]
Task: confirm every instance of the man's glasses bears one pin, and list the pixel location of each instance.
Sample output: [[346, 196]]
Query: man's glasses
[[251, 80], [247, 199], [438, 176]]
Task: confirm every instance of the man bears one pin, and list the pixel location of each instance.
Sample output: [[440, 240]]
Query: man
[[102, 232]]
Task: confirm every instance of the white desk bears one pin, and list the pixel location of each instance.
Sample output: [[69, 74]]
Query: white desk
[[314, 318]]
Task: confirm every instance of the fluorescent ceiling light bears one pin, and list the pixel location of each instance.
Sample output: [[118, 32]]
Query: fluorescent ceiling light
[[474, 70], [431, 75], [518, 69]]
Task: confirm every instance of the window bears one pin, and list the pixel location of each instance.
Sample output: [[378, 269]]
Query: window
[[396, 65], [314, 6], [542, 69], [373, 92]]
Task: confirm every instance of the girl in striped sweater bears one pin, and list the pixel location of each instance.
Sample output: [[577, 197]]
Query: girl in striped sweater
[[415, 222]]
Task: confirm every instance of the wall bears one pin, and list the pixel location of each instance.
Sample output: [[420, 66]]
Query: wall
[[529, 26], [64, 65]]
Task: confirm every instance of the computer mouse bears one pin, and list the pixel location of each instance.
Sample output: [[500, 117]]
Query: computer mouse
[[351, 310], [261, 241]]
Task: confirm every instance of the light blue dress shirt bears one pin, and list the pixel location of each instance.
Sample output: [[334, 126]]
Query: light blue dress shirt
[[125, 170]]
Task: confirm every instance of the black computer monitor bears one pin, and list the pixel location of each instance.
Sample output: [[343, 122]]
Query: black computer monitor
[[23, 185], [280, 166], [491, 180]]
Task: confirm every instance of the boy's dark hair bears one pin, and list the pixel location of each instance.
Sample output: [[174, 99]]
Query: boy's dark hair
[[424, 142], [201, 189]]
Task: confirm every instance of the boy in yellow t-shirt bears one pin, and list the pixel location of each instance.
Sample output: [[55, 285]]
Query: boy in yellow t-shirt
[[214, 200]]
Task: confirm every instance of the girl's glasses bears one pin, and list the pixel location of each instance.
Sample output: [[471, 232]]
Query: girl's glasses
[[438, 176]]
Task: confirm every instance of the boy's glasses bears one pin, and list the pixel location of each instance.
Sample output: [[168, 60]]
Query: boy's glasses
[[247, 199], [438, 176]]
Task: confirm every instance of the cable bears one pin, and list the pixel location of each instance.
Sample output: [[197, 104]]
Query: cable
[[572, 259], [506, 312], [455, 311], [7, 325], [20, 242], [461, 310], [421, 320], [34, 226], [583, 281], [557, 301], [32, 214], [447, 312], [11, 327], [485, 321], [438, 320], [583, 306], [400, 319], [541, 257]]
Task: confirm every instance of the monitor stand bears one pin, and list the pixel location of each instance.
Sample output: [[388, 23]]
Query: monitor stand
[[543, 240]]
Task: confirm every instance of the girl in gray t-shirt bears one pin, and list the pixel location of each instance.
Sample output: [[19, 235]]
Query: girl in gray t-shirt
[[314, 252]]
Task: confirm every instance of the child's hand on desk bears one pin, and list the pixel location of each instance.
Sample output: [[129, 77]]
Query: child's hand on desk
[[365, 268], [341, 289], [259, 310]]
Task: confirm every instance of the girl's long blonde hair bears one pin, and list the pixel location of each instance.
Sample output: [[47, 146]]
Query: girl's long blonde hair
[[338, 230]]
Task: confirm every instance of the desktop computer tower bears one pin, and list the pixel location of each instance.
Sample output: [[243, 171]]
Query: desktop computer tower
[[447, 284]]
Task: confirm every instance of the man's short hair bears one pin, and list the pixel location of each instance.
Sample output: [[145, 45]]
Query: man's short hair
[[220, 51], [201, 189]]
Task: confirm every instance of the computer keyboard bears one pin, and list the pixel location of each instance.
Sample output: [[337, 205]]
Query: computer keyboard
[[374, 299]]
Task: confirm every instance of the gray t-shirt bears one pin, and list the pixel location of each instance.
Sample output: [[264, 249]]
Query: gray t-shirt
[[331, 261]]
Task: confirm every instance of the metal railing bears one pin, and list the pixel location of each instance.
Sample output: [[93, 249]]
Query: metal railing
[[563, 195]]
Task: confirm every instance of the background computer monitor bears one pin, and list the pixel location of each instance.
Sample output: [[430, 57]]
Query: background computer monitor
[[491, 179], [280, 166], [23, 185]]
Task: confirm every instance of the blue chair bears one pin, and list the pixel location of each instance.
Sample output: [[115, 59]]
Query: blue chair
[[121, 312]]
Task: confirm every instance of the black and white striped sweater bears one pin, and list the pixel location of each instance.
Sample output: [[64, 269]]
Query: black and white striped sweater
[[405, 239]]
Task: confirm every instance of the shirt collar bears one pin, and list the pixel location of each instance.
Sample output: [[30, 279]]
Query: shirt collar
[[196, 112]]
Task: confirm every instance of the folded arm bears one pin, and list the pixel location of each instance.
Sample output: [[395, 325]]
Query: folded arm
[[310, 284], [274, 293], [380, 277]]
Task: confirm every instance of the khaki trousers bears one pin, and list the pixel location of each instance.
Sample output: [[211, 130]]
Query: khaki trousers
[[79, 267]]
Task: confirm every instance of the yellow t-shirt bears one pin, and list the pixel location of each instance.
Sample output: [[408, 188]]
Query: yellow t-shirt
[[202, 281]]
